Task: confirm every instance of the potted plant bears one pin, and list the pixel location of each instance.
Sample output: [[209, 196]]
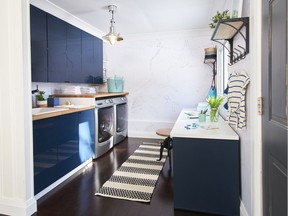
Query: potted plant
[[219, 16], [41, 101], [214, 103]]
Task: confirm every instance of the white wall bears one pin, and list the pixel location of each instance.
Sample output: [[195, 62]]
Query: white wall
[[163, 73], [256, 88], [251, 183], [16, 149]]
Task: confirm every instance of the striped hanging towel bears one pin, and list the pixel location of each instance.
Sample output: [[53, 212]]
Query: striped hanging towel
[[237, 85]]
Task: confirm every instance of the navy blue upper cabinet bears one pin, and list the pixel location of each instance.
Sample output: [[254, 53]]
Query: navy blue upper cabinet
[[73, 55], [38, 44], [98, 56], [66, 53], [57, 44], [92, 59]]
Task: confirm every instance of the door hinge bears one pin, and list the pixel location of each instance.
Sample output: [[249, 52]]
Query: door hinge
[[260, 105]]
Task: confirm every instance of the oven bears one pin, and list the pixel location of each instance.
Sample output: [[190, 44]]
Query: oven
[[121, 119], [104, 126]]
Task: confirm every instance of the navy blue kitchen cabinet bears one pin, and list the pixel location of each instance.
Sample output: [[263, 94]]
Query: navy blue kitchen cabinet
[[67, 55], [60, 144], [86, 131], [73, 56], [92, 59], [57, 45], [206, 175], [45, 142], [38, 44]]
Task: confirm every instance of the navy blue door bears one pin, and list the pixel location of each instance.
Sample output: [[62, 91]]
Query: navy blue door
[[274, 91]]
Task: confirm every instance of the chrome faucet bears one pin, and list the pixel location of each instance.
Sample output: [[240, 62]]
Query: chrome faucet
[[34, 97], [35, 90]]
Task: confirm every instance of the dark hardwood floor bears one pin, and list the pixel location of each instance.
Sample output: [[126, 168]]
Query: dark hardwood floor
[[76, 195]]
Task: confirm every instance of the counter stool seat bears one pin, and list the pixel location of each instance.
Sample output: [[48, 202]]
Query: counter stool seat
[[164, 132], [167, 143]]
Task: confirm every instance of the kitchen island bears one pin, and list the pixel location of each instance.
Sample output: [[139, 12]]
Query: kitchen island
[[206, 166]]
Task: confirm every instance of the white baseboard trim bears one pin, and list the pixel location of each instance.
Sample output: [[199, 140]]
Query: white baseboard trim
[[61, 180], [17, 207], [243, 211], [141, 134]]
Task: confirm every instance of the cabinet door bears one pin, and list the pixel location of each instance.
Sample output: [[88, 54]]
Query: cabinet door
[[57, 39], [38, 44], [45, 152], [92, 59], [60, 144], [68, 147], [98, 49], [210, 182], [73, 53], [86, 129]]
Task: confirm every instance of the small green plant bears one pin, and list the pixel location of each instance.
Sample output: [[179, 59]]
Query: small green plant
[[219, 16], [40, 96], [215, 102]]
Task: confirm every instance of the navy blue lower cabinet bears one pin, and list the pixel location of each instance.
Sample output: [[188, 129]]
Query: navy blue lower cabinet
[[86, 131], [61, 144], [45, 144], [207, 175], [68, 147]]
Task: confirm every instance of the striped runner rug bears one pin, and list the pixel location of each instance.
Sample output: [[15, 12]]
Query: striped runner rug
[[135, 180]]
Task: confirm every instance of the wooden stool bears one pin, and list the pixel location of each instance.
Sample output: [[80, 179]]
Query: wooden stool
[[167, 143]]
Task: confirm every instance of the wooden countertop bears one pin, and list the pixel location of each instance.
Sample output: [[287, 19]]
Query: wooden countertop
[[73, 110], [98, 95], [62, 112]]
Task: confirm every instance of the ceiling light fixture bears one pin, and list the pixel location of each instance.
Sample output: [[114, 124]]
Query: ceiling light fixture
[[112, 37]]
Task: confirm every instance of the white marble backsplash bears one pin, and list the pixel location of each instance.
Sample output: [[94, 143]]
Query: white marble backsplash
[[162, 76]]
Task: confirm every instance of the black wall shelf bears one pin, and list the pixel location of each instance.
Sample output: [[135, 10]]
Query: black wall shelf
[[226, 30]]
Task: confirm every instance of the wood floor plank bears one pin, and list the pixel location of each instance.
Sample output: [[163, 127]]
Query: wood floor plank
[[76, 197]]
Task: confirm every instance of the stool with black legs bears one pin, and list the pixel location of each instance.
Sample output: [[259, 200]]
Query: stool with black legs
[[167, 143]]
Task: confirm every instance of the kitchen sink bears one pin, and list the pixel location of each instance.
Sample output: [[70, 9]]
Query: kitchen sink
[[45, 110]]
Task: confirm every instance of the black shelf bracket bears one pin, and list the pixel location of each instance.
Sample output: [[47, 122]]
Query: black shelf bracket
[[226, 30]]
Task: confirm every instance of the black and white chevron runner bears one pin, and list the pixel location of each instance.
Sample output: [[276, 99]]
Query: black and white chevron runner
[[135, 180]]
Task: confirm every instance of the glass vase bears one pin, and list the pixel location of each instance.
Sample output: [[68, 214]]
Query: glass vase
[[214, 115]]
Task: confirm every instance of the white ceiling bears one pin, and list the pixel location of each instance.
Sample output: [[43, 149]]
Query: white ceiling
[[145, 16]]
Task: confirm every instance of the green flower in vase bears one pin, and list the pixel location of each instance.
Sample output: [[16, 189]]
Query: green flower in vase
[[214, 103]]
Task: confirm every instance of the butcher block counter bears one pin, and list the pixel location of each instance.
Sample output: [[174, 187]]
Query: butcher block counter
[[68, 110], [77, 103], [98, 95]]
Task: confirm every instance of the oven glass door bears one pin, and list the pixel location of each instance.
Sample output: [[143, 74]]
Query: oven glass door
[[122, 116], [105, 123]]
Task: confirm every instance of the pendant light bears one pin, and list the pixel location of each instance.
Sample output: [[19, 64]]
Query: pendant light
[[112, 37]]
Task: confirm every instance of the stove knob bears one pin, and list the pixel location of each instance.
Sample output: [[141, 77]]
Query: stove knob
[[110, 100], [107, 101]]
